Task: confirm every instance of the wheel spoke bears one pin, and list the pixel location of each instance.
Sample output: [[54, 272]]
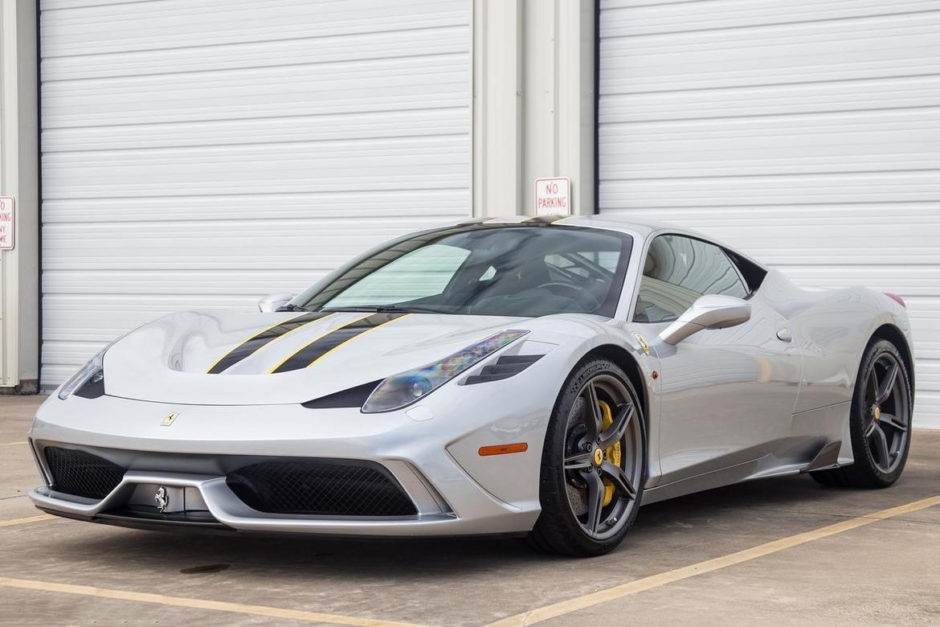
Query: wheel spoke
[[887, 384], [592, 413], [870, 428], [615, 432], [892, 421], [595, 500], [881, 445], [872, 386], [619, 478], [602, 417], [578, 461]]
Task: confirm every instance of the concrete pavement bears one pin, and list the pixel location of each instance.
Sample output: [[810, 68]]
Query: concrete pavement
[[879, 572]]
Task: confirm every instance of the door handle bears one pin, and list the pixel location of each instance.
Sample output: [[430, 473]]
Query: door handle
[[784, 335]]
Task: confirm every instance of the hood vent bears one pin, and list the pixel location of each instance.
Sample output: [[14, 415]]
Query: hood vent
[[505, 367]]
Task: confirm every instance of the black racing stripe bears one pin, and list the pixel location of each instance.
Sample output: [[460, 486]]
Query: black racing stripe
[[253, 343], [321, 346]]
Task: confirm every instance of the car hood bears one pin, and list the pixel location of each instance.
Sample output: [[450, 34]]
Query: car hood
[[232, 358]]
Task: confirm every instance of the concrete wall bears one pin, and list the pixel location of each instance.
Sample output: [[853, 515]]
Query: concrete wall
[[19, 178], [533, 102]]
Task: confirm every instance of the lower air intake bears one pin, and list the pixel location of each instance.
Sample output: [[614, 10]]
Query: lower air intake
[[320, 488], [82, 474]]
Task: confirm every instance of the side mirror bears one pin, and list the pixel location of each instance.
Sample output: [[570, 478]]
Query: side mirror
[[712, 311], [274, 302]]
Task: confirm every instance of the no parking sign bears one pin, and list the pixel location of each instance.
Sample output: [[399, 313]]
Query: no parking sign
[[553, 196], [6, 223]]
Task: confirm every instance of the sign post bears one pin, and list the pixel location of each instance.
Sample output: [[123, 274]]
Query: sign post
[[553, 196], [6, 223]]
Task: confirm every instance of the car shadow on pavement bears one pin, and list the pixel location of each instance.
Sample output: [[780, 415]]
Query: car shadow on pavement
[[717, 512]]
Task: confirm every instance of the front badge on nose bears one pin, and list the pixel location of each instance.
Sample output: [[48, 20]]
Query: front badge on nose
[[169, 419]]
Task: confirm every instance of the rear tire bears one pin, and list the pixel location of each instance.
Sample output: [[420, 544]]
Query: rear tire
[[593, 463], [880, 421]]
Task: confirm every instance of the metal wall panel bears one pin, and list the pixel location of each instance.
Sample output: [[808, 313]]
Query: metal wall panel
[[806, 133], [203, 153]]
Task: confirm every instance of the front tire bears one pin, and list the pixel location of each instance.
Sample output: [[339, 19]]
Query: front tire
[[593, 463], [880, 421]]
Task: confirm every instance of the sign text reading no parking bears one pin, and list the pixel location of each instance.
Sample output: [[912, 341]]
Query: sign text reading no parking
[[553, 196], [6, 223]]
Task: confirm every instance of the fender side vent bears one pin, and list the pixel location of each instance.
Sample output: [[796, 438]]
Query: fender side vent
[[505, 367]]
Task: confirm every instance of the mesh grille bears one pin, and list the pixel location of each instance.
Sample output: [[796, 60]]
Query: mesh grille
[[320, 488], [81, 473]]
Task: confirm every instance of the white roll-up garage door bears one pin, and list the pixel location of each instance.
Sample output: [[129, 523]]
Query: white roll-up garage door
[[807, 133], [203, 153]]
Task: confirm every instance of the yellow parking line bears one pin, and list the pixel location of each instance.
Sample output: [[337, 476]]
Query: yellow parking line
[[25, 521], [12, 443], [618, 592], [199, 604]]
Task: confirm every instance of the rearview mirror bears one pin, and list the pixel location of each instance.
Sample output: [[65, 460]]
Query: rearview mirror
[[274, 302], [712, 311]]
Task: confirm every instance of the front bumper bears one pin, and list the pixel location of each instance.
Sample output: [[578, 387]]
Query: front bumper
[[216, 506], [430, 451]]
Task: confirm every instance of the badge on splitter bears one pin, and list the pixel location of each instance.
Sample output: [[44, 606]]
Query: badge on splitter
[[170, 419], [162, 498]]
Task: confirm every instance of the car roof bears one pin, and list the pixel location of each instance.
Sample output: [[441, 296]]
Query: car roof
[[624, 224], [614, 223]]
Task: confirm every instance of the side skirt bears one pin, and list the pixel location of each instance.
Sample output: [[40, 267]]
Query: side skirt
[[700, 483], [819, 456]]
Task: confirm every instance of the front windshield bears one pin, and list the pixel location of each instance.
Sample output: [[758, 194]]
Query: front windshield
[[484, 270]]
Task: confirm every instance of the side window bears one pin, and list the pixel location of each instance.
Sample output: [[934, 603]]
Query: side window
[[678, 270]]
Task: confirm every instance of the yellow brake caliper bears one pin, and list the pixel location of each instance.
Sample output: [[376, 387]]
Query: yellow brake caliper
[[611, 453]]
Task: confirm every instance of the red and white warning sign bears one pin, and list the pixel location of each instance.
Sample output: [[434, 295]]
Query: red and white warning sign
[[6, 223], [553, 196]]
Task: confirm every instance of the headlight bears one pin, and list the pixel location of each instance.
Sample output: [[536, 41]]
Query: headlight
[[406, 388], [93, 371]]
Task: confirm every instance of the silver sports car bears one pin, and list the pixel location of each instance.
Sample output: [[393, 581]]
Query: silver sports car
[[542, 376]]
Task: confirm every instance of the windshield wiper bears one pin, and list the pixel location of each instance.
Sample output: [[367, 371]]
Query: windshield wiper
[[387, 309], [409, 309], [292, 307]]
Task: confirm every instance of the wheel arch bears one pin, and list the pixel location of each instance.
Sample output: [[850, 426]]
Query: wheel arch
[[894, 335], [629, 365]]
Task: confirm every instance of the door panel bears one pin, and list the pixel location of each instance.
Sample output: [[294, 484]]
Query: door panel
[[727, 395]]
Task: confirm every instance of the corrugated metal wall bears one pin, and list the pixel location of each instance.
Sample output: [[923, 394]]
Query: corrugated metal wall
[[807, 133], [203, 153]]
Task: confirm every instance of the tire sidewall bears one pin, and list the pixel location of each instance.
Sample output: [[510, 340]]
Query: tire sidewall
[[552, 488], [860, 447]]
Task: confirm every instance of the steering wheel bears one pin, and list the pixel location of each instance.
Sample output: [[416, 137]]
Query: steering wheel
[[575, 293]]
